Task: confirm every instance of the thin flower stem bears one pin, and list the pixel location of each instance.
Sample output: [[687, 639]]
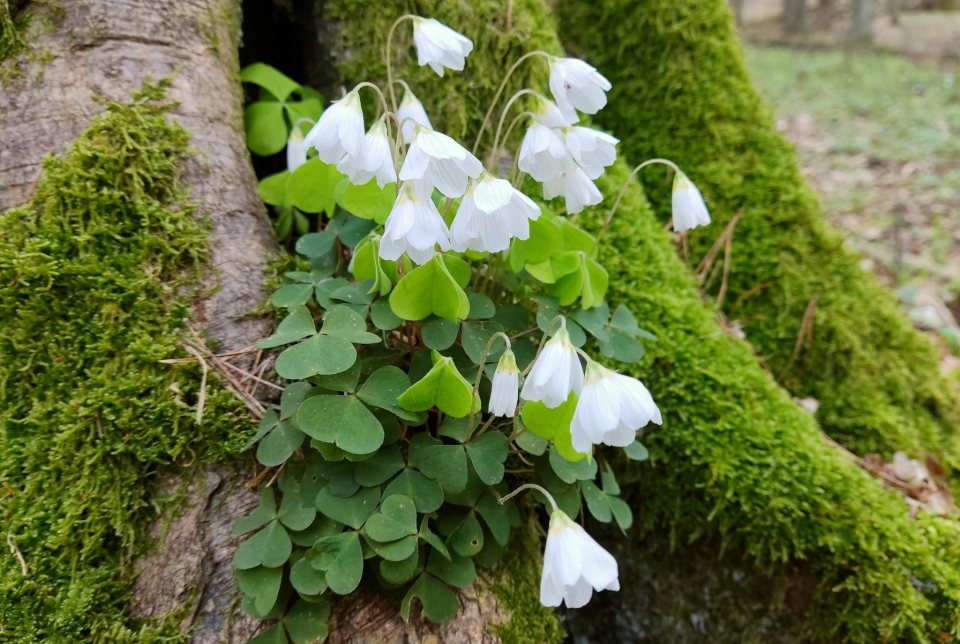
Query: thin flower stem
[[623, 190], [485, 427], [300, 120], [483, 361], [383, 99], [393, 27], [497, 153], [584, 354], [506, 110], [530, 486], [503, 84], [543, 340]]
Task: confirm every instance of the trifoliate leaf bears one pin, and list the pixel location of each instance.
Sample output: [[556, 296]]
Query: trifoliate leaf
[[306, 579], [439, 603], [353, 511], [341, 557], [488, 452], [319, 355], [344, 322], [438, 333], [279, 445], [311, 187], [265, 512], [457, 571], [306, 623], [443, 387], [342, 420], [383, 389], [557, 266], [545, 422], [426, 493], [298, 324], [270, 547], [378, 469], [446, 464], [636, 451], [396, 518], [292, 295], [430, 289], [369, 201]]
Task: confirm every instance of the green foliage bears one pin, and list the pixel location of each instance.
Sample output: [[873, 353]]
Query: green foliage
[[270, 118], [737, 459], [97, 270], [680, 91]]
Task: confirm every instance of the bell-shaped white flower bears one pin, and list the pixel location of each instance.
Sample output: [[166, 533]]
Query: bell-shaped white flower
[[339, 130], [542, 153], [689, 211], [435, 160], [491, 214], [296, 150], [505, 392], [575, 84], [411, 108], [414, 227], [591, 149], [550, 115], [610, 410], [556, 372], [439, 46], [376, 159], [576, 187], [574, 565]]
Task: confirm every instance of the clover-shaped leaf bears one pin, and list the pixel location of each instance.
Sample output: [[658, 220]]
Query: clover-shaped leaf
[[342, 420], [439, 603], [306, 579], [270, 547], [488, 452], [431, 288], [341, 558], [319, 355], [352, 511], [400, 572], [396, 518], [426, 493], [383, 389], [344, 322], [262, 584], [265, 512], [443, 387], [306, 623], [298, 324]]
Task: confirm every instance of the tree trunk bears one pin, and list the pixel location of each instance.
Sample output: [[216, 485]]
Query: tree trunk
[[862, 27], [106, 48], [795, 16], [737, 6]]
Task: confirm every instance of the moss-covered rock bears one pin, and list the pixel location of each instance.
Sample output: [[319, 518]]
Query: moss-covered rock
[[680, 90], [96, 272]]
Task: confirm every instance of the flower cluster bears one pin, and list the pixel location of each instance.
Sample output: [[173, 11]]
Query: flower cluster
[[414, 195]]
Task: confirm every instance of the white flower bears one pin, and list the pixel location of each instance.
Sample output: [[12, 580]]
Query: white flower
[[689, 211], [575, 84], [414, 226], [556, 372], [491, 213], [574, 565], [549, 114], [506, 379], [576, 187], [376, 159], [412, 108], [610, 410], [435, 160], [296, 151], [339, 130], [542, 154], [592, 150], [439, 46]]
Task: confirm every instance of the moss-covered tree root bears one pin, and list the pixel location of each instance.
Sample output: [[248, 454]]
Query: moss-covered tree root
[[680, 90], [96, 271]]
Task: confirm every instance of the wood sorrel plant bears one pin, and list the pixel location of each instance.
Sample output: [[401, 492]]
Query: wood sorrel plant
[[425, 384]]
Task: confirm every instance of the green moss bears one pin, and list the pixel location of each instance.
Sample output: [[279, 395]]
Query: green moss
[[737, 459], [96, 272], [516, 584], [680, 91]]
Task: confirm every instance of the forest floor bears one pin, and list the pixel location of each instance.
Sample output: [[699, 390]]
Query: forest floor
[[878, 136]]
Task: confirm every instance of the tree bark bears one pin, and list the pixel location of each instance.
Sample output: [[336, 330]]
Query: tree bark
[[795, 16], [863, 12], [106, 48]]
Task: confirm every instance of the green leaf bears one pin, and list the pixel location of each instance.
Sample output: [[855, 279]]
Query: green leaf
[[342, 420], [488, 452], [443, 387], [636, 451], [459, 429], [543, 241], [352, 511], [573, 238], [531, 443], [427, 536], [623, 320], [596, 502], [467, 538], [311, 187], [383, 316], [496, 517], [475, 337], [273, 189], [439, 603], [320, 355], [322, 527], [369, 201], [400, 572], [310, 108], [594, 320], [292, 295], [457, 571], [383, 388], [343, 381], [378, 469], [298, 324], [397, 550], [265, 512], [306, 622], [595, 283], [266, 129], [610, 485], [316, 244], [269, 78], [568, 287], [426, 493], [344, 322], [273, 635], [262, 584], [293, 513], [397, 518], [438, 333], [558, 265], [279, 445], [481, 306], [459, 270], [621, 512], [294, 394], [268, 422], [306, 579], [563, 444], [545, 422], [355, 230], [429, 289], [341, 557], [513, 317], [270, 547], [446, 464], [622, 347]]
